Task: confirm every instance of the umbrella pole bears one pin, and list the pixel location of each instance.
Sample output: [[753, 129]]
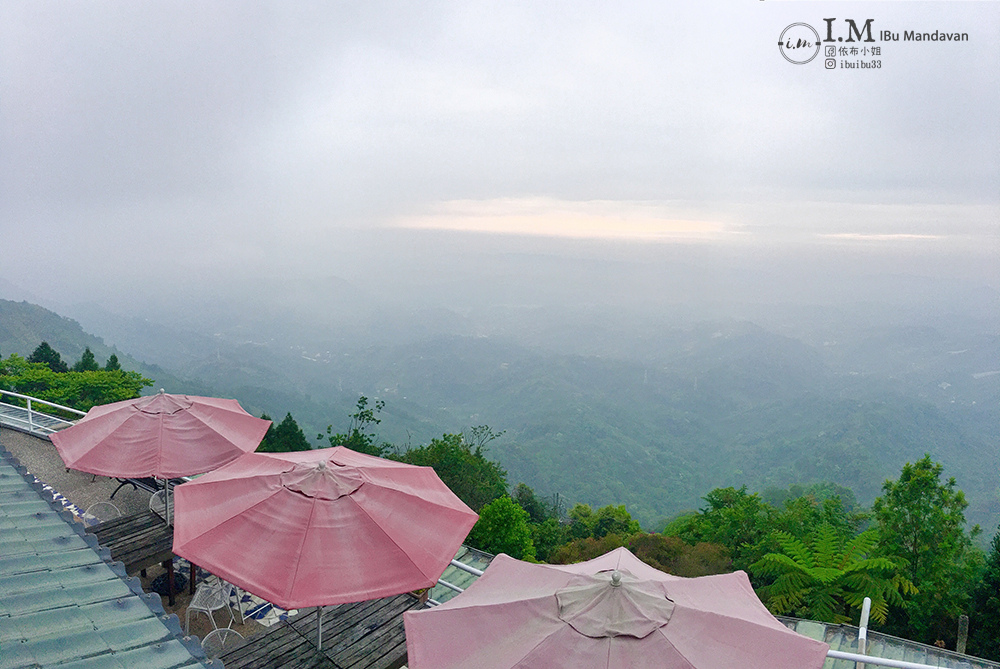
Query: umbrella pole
[[166, 501], [319, 629]]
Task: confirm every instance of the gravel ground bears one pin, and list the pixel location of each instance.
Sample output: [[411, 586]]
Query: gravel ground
[[40, 457]]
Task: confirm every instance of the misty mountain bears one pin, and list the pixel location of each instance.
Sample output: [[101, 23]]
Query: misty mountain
[[688, 408], [23, 326]]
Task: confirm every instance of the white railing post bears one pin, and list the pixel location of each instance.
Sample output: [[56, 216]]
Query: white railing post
[[31, 423], [878, 661], [866, 608], [465, 567]]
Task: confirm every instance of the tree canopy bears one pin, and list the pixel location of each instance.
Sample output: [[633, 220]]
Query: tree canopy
[[984, 616], [739, 520], [827, 576], [465, 469], [87, 362], [359, 436], [283, 437], [503, 528], [47, 355], [112, 364], [76, 389], [921, 521]]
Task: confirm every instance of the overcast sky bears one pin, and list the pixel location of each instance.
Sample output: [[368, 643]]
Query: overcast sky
[[163, 140]]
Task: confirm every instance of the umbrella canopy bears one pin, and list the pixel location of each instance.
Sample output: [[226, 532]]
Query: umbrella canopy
[[612, 611], [161, 435], [322, 527]]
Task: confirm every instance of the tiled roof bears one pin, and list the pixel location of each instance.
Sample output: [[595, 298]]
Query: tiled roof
[[63, 602], [845, 639]]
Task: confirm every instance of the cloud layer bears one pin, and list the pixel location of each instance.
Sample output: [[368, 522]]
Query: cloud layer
[[185, 135]]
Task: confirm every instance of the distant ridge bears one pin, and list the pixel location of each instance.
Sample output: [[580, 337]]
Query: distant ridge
[[23, 326], [706, 405]]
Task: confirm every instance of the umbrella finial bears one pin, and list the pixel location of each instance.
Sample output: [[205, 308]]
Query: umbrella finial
[[616, 579], [161, 391]]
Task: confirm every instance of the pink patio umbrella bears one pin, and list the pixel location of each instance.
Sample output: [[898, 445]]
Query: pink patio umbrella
[[322, 527], [162, 435], [610, 612]]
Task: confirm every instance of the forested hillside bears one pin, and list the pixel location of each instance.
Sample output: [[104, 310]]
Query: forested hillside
[[23, 326], [711, 404]]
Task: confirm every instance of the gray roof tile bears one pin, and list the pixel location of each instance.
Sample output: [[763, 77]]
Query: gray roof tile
[[63, 603]]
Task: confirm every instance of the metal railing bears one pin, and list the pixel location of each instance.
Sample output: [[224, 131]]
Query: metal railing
[[451, 586], [863, 660], [30, 418]]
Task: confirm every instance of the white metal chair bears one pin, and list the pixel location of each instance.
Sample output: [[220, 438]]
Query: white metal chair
[[219, 641], [236, 592], [101, 512], [158, 505], [211, 595]]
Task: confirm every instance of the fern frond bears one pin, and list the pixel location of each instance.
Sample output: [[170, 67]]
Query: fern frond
[[795, 549], [775, 563], [826, 575], [825, 544]]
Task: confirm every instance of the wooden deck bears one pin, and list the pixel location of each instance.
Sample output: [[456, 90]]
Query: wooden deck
[[139, 541], [355, 636]]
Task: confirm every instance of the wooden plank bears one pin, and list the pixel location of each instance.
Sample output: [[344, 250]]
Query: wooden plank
[[132, 534], [138, 541], [352, 635], [382, 646], [336, 619], [281, 645], [352, 619], [143, 553], [365, 634], [117, 526]]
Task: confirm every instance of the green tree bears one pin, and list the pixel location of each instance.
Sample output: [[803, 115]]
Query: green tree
[[610, 519], [49, 356], [358, 438], [284, 437], [535, 507], [984, 616], [503, 528], [828, 576], [740, 521], [79, 390], [480, 435], [112, 364], [820, 492], [668, 554], [586, 548], [673, 556], [921, 521], [582, 520], [547, 536], [464, 469], [613, 519], [87, 362], [800, 516]]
